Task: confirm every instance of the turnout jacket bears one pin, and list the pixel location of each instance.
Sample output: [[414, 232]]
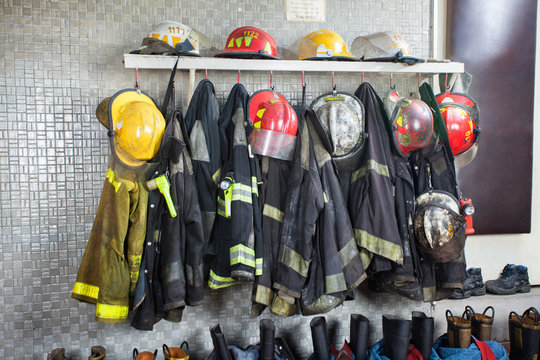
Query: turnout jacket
[[173, 273], [110, 266], [371, 199], [202, 125], [238, 224], [318, 261]]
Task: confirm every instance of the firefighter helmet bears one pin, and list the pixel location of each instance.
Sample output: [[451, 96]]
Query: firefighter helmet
[[323, 45], [274, 125], [342, 118], [169, 37], [411, 124], [135, 124], [251, 43], [438, 226], [460, 113]]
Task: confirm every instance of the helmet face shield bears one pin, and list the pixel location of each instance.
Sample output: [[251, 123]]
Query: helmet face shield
[[274, 125], [342, 118], [412, 125], [438, 226]]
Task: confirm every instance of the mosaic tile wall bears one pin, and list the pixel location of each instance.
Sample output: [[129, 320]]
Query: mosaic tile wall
[[58, 59]]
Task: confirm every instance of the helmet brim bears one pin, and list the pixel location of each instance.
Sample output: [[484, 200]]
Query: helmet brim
[[245, 55]]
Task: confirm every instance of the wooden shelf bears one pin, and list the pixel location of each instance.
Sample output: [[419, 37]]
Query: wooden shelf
[[134, 61]]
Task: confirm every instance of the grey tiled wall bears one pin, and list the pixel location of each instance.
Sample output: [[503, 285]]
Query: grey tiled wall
[[58, 59]]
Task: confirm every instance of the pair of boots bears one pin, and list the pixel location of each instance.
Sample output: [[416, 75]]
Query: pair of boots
[[170, 353], [398, 333], [356, 348], [96, 353], [460, 329], [524, 334]]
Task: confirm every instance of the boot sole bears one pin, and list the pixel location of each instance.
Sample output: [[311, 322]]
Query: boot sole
[[467, 294], [519, 289]]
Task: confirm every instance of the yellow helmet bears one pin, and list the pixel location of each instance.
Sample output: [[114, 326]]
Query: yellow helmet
[[137, 125], [323, 44]]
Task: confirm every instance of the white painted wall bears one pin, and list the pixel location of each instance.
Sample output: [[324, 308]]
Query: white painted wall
[[493, 252]]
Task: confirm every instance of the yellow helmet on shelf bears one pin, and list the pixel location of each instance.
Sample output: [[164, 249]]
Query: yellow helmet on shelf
[[323, 45]]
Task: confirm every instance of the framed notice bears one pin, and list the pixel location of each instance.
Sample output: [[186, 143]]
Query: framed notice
[[306, 10]]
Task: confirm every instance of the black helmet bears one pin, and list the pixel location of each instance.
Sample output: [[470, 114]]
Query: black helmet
[[342, 117], [438, 226]]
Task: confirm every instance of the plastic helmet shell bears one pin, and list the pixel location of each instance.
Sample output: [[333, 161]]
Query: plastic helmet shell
[[438, 226], [250, 42], [412, 125], [323, 44], [138, 127], [342, 118], [274, 125], [169, 37], [381, 44], [461, 115]]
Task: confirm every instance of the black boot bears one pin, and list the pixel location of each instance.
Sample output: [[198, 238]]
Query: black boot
[[220, 344], [513, 279], [472, 285], [319, 336], [267, 338], [422, 333], [524, 335], [396, 336], [359, 336]]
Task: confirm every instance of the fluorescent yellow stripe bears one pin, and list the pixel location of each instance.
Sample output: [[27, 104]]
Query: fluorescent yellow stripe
[[254, 185], [243, 248], [242, 260], [258, 266], [217, 282], [294, 260], [379, 246], [215, 177], [324, 197], [273, 212], [371, 165], [83, 289], [110, 176], [104, 311]]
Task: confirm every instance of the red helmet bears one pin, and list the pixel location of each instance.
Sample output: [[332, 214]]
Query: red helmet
[[412, 125], [460, 114], [251, 43], [275, 124]]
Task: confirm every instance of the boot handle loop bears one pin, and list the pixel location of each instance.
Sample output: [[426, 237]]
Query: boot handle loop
[[155, 354], [187, 347], [166, 350], [468, 313], [535, 311], [517, 315], [492, 311], [135, 353], [451, 315]]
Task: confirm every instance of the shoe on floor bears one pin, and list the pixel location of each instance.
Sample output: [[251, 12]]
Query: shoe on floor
[[472, 285], [513, 279]]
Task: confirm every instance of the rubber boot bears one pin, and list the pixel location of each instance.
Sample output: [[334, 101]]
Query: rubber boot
[[481, 324], [319, 336], [359, 336], [176, 353], [145, 355], [396, 337], [422, 330], [97, 353], [57, 354], [220, 344], [524, 333], [458, 330], [267, 338]]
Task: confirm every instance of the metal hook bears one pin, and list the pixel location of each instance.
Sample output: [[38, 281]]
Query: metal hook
[[271, 74], [419, 80], [362, 77], [446, 82], [239, 76], [303, 82], [137, 81], [391, 81], [206, 73], [333, 86]]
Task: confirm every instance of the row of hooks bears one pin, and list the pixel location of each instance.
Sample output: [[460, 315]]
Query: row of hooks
[[303, 79]]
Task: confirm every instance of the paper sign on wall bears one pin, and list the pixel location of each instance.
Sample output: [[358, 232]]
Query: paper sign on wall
[[306, 10]]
